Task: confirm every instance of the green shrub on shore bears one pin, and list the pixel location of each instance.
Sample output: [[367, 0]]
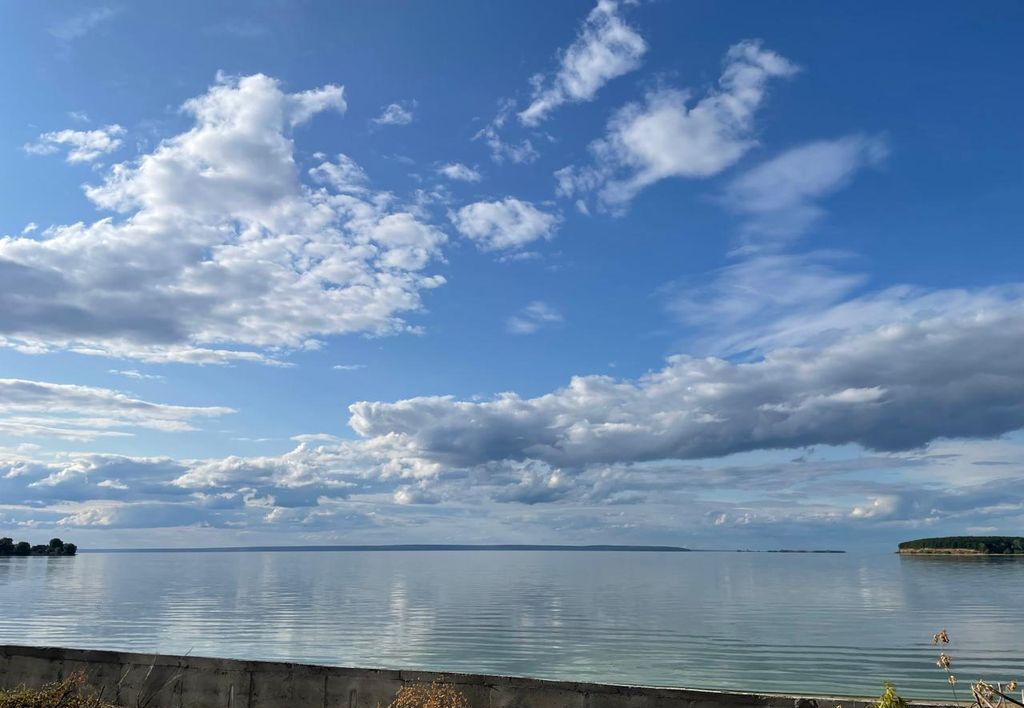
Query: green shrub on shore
[[55, 547], [965, 544], [889, 698]]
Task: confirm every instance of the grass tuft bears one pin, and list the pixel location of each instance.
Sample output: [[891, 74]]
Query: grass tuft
[[434, 695], [72, 692]]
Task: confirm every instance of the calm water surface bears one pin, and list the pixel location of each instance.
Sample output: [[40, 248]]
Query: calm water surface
[[771, 622]]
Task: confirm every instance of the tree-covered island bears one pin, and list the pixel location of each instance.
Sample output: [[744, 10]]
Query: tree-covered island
[[55, 547], [965, 545]]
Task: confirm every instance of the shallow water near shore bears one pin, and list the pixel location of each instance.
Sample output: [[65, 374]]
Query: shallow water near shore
[[792, 623]]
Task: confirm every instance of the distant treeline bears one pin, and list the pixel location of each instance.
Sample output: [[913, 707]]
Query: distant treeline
[[789, 550], [55, 547], [970, 544]]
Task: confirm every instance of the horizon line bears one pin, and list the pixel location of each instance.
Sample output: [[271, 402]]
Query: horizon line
[[434, 547]]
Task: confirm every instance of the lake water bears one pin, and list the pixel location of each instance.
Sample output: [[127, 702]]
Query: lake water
[[836, 624]]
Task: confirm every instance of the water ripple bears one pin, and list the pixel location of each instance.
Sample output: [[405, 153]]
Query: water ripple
[[828, 624]]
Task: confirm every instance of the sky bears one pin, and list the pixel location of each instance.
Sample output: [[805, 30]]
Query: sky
[[712, 274]]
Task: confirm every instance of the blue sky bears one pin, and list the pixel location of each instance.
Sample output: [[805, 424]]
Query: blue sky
[[715, 274]]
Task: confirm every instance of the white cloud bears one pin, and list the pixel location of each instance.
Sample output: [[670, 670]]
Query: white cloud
[[941, 367], [506, 224], [223, 253], [392, 494], [44, 409], [415, 494], [779, 196], [731, 311], [29, 228], [459, 172], [533, 317], [736, 309], [136, 374], [344, 175], [296, 108], [522, 152], [606, 48], [348, 367], [83, 145], [394, 114], [665, 137], [80, 24]]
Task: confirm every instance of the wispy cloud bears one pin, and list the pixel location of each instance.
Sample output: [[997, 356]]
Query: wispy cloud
[[241, 27], [518, 152], [732, 309], [38, 409], [136, 374], [81, 23], [533, 317], [780, 197], [606, 48]]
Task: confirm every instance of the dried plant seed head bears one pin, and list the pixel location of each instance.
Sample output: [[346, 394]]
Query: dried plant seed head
[[1011, 686], [944, 660], [435, 695], [983, 689], [952, 680]]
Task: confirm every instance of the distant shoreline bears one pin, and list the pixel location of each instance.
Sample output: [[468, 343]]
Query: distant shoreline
[[432, 547], [440, 548]]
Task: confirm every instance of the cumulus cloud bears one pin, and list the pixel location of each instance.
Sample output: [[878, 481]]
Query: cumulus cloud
[[339, 486], [386, 489], [667, 137], [82, 145], [72, 412], [415, 494], [394, 114], [606, 48], [533, 317], [220, 251], [459, 172], [504, 225], [344, 175], [939, 373]]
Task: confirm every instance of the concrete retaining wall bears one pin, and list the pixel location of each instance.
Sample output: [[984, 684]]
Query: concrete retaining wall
[[160, 681]]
